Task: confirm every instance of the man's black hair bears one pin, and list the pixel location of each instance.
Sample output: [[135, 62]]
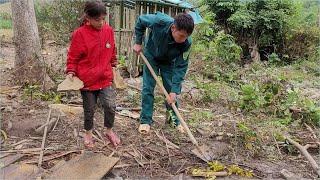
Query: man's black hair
[[184, 21]]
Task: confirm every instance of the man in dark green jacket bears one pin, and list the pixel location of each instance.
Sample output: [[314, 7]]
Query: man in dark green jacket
[[167, 50]]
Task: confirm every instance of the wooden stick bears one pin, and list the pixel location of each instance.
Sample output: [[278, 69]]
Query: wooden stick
[[56, 122], [44, 139], [51, 157], [25, 150], [210, 174], [134, 87], [165, 140], [48, 124], [311, 131], [128, 108], [20, 142], [303, 150]]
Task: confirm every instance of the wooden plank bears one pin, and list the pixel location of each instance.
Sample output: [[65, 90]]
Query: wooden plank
[[6, 161], [88, 166], [19, 172]]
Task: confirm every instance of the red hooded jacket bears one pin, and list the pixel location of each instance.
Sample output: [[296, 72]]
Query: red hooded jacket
[[91, 56]]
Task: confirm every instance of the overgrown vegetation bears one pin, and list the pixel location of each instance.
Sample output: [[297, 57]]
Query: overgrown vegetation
[[57, 19], [262, 53]]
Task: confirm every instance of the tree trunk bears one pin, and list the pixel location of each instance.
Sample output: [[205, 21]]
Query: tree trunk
[[254, 50], [28, 66]]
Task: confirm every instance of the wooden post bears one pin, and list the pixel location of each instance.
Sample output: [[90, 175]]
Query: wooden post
[[155, 8]]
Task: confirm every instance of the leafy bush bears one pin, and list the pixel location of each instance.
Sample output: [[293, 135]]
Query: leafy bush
[[225, 49], [58, 18], [303, 43]]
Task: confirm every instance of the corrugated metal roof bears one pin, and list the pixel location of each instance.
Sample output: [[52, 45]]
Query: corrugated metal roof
[[179, 3]]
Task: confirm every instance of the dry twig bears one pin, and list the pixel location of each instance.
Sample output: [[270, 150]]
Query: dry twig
[[303, 150], [44, 138]]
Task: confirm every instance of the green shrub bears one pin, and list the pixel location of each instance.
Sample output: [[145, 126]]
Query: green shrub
[[58, 18]]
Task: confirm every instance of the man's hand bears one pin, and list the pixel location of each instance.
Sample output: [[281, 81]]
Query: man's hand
[[70, 76], [172, 98], [137, 48]]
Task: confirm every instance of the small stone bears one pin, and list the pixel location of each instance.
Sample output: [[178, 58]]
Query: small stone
[[8, 109]]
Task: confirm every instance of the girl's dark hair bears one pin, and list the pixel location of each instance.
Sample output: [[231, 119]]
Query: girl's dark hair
[[94, 9], [184, 21]]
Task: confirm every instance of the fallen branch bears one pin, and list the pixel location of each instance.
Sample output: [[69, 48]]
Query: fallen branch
[[289, 175], [130, 165], [99, 135], [49, 126], [311, 131], [56, 122], [303, 150], [165, 140], [51, 157], [134, 87], [44, 138], [209, 174], [128, 108], [25, 150], [21, 142]]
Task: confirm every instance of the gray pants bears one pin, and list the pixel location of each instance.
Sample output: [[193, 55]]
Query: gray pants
[[107, 98]]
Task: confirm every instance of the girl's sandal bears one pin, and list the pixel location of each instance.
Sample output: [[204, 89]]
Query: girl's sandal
[[113, 138], [88, 142]]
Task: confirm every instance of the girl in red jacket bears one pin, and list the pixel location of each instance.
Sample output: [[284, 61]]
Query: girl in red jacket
[[91, 57]]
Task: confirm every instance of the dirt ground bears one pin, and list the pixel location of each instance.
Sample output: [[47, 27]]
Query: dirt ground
[[141, 157]]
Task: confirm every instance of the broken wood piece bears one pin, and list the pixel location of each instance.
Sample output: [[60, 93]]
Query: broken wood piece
[[19, 171], [8, 90], [70, 109], [118, 81], [303, 150], [51, 157], [130, 114], [134, 87], [55, 125], [20, 142], [68, 84], [135, 155], [165, 140], [25, 150], [6, 161], [49, 125], [88, 166], [311, 131], [99, 134], [205, 173], [44, 138], [128, 108], [289, 175], [2, 155], [130, 165]]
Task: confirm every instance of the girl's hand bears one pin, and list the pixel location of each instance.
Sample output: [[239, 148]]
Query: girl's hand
[[70, 76]]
